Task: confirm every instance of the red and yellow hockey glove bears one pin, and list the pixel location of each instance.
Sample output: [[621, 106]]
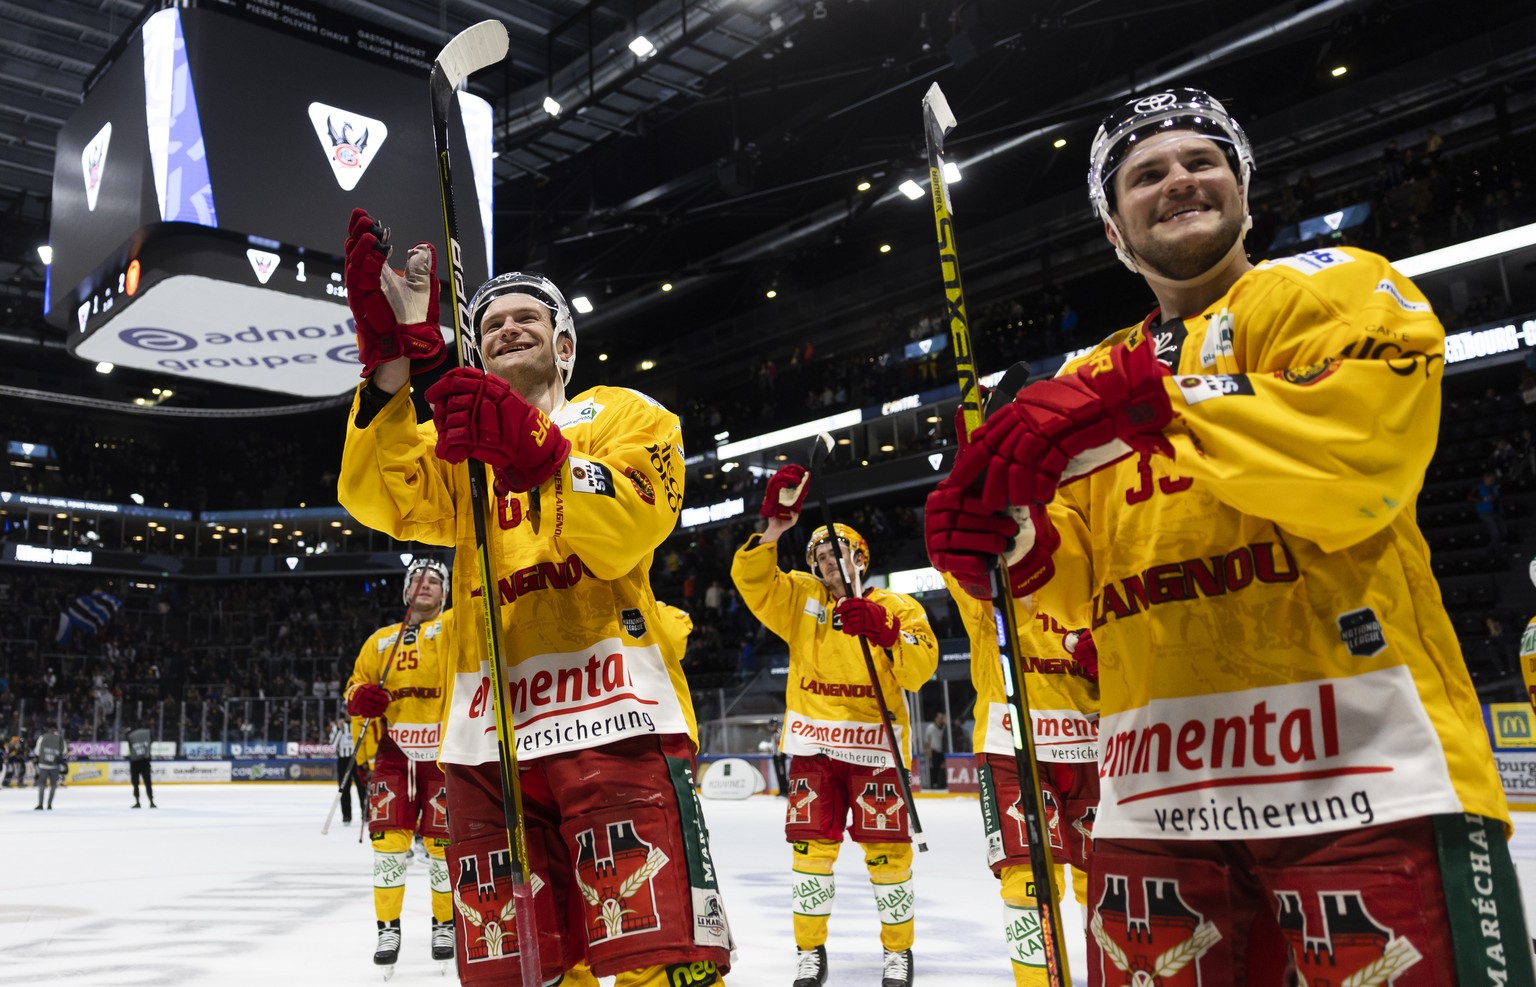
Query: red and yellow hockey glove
[[396, 312], [1059, 430], [785, 493], [368, 700], [478, 414], [1084, 652], [965, 538], [868, 619]]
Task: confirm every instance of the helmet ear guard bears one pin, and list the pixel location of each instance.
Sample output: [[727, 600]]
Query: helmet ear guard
[[542, 290]]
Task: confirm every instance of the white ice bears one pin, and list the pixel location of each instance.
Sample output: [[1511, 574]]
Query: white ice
[[234, 885]]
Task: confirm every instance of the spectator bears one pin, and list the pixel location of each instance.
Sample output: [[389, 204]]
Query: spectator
[[934, 747], [1490, 509]]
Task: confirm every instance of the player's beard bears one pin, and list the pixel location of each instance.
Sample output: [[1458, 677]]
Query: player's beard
[[1184, 258]]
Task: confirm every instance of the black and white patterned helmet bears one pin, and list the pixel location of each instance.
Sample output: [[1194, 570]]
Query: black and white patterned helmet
[[417, 565], [544, 291]]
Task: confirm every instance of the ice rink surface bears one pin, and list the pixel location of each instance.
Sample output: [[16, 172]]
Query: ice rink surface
[[234, 885]]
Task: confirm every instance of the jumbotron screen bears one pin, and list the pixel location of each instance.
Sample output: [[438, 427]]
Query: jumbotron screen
[[202, 190]]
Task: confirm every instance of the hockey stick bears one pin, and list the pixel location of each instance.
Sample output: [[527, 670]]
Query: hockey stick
[[938, 120], [820, 446], [476, 47]]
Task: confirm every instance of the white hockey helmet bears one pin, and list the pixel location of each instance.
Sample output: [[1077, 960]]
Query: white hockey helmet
[[417, 565], [1533, 572], [1147, 116], [544, 291]]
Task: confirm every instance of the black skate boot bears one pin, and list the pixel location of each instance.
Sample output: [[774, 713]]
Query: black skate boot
[[811, 968], [388, 951], [898, 969], [442, 940]]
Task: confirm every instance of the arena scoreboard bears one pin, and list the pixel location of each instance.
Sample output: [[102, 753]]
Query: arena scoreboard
[[201, 192]]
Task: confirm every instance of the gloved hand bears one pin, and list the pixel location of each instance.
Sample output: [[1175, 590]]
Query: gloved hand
[[1084, 652], [396, 312], [965, 538], [868, 619], [368, 700], [477, 414], [1061, 429], [785, 493]]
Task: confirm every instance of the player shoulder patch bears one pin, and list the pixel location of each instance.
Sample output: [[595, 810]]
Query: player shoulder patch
[[1360, 630], [644, 397], [633, 621], [815, 608], [1386, 287], [1204, 387], [590, 477], [386, 642], [1302, 376], [642, 485], [1311, 262], [577, 412]]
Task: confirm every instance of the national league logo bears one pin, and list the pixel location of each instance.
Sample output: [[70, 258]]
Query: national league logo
[[93, 161], [350, 141]]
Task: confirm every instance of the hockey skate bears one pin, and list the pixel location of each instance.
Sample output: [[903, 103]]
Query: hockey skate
[[811, 968], [898, 969], [442, 943], [388, 951]]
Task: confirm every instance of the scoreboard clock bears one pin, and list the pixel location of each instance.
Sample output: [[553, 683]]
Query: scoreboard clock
[[202, 190]]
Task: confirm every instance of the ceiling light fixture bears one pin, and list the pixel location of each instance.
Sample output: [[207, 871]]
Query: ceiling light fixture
[[911, 189], [582, 304], [641, 47], [551, 106]]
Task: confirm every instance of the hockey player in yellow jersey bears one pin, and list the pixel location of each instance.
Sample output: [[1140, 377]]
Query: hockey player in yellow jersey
[[1061, 678], [840, 767], [1225, 494], [397, 692], [604, 733], [1528, 651]]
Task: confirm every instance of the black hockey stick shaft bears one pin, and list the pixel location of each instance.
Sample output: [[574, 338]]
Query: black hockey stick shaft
[[474, 48], [938, 121], [822, 445], [346, 776]]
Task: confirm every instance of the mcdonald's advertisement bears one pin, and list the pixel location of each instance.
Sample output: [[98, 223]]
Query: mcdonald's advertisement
[[1512, 729]]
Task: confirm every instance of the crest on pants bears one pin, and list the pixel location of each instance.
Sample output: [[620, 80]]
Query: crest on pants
[[380, 795], [482, 896], [801, 795], [1158, 940], [881, 806], [1339, 940], [1052, 819], [614, 871]]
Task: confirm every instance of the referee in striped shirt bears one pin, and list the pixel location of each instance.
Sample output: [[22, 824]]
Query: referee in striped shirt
[[341, 739]]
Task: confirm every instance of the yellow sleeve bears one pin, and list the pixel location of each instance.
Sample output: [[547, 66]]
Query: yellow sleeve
[[1329, 431], [1069, 594], [915, 656], [1528, 660], [390, 479], [615, 499], [768, 591]]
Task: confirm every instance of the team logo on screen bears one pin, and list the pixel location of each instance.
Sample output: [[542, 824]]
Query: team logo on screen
[[93, 162], [263, 262], [350, 141]]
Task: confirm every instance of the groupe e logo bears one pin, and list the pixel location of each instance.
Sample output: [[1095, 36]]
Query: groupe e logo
[[158, 339]]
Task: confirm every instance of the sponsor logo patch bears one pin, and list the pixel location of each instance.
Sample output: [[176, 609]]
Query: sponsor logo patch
[[634, 623], [590, 477], [1204, 387], [1302, 376]]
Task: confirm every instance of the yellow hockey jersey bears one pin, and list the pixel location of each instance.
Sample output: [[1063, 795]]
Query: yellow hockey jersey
[[586, 662], [1528, 660], [830, 703], [416, 673], [1063, 703], [1275, 658]]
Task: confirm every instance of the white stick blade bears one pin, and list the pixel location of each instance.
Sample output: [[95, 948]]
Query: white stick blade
[[472, 49], [936, 104], [825, 438]]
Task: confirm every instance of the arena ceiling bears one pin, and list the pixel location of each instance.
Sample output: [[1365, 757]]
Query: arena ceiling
[[728, 163]]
